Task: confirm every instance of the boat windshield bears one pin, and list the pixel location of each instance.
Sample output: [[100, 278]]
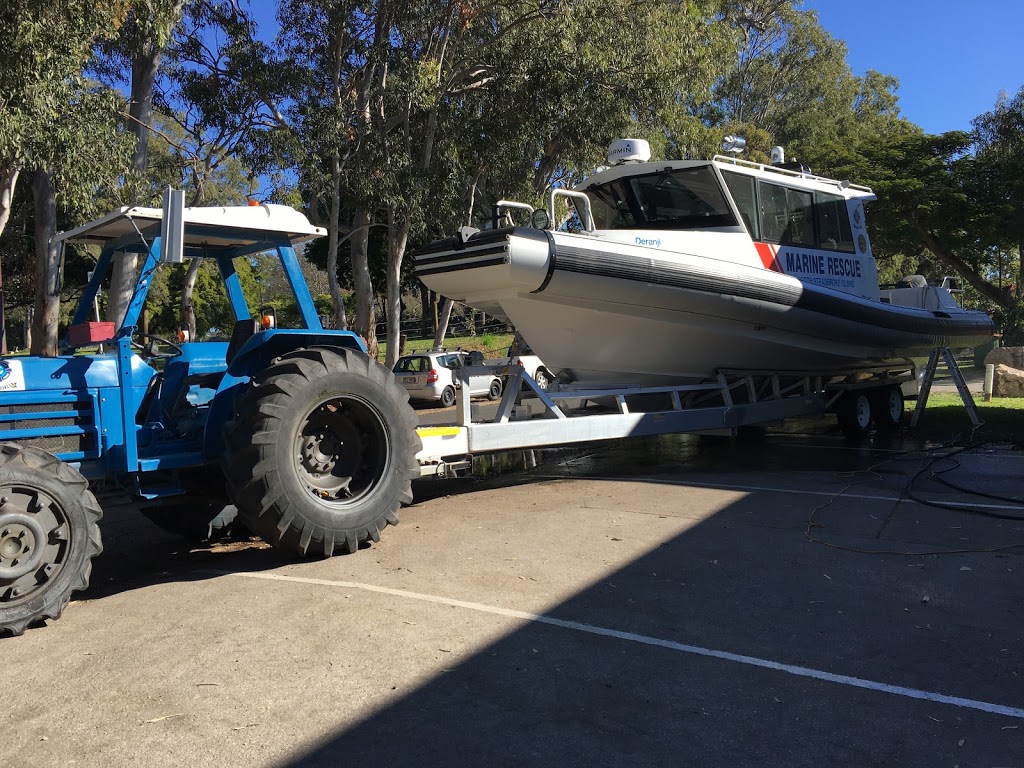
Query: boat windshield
[[683, 198]]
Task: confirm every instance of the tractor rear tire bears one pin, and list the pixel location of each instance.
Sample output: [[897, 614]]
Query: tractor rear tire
[[49, 534], [322, 451]]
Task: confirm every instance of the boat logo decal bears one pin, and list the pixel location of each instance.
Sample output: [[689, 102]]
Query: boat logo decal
[[862, 243], [856, 215], [654, 242], [768, 253], [11, 375]]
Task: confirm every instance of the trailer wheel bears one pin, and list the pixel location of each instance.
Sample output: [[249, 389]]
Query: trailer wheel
[[543, 379], [322, 451], [49, 534], [495, 390], [888, 407], [855, 413], [448, 397]]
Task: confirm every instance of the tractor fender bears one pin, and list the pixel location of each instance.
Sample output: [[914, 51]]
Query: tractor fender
[[254, 356]]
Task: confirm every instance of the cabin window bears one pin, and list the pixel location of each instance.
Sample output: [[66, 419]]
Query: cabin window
[[741, 187], [683, 198], [833, 223], [610, 207], [787, 215]]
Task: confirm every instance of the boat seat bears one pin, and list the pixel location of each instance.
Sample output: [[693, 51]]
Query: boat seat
[[913, 281]]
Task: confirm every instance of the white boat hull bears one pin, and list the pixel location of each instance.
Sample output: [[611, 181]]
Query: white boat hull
[[612, 312]]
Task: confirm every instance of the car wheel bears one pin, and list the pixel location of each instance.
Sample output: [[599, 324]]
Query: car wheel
[[543, 379], [448, 397]]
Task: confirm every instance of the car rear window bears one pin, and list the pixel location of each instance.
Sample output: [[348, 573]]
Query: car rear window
[[412, 365]]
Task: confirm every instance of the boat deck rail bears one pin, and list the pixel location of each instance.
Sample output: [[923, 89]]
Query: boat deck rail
[[790, 172]]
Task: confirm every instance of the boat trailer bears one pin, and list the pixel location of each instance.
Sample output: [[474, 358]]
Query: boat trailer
[[530, 417]]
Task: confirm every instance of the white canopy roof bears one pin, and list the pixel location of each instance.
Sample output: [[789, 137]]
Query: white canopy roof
[[235, 220]]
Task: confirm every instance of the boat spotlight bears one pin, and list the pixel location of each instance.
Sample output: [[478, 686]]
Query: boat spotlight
[[734, 144], [778, 155]]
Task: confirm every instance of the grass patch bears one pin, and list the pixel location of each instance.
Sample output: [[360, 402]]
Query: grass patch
[[945, 417]]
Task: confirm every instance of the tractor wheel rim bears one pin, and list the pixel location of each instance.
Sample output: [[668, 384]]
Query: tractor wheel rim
[[33, 542], [342, 449]]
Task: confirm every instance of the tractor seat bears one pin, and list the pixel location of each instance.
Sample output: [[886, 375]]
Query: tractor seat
[[243, 331]]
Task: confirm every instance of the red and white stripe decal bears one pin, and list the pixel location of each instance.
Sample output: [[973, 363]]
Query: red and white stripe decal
[[768, 254]]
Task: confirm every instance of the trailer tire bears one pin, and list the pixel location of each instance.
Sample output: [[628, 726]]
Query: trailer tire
[[543, 379], [448, 397], [888, 407], [494, 392], [49, 534], [322, 451], [855, 413]]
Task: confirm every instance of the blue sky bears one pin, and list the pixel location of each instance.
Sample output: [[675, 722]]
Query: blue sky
[[952, 58]]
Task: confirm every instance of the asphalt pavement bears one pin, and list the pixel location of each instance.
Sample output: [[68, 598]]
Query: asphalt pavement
[[793, 599]]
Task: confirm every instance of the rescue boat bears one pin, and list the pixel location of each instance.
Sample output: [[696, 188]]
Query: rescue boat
[[677, 270]]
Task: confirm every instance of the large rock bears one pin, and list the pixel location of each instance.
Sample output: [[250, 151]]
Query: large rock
[[1008, 382], [1010, 356]]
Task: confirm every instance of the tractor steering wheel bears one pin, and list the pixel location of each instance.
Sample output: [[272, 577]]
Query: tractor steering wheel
[[148, 349]]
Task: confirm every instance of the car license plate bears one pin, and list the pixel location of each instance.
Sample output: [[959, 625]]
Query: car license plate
[[409, 380]]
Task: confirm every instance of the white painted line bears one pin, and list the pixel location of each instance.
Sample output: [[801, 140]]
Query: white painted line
[[769, 489], [753, 661]]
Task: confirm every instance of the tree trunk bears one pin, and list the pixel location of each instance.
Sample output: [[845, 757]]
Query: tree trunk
[[1020, 271], [9, 172], [8, 181], [424, 310], [144, 69], [366, 321], [188, 314], [442, 324], [333, 224], [47, 308], [398, 236]]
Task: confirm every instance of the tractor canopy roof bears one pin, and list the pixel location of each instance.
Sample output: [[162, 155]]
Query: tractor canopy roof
[[212, 228]]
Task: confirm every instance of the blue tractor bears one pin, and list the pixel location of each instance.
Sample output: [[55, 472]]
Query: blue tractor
[[312, 440]]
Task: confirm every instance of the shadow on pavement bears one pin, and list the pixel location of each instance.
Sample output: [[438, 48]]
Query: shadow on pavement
[[748, 582]]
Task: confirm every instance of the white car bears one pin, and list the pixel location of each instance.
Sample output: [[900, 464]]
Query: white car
[[433, 376], [520, 354]]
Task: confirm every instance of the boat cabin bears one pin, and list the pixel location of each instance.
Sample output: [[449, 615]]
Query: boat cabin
[[779, 216]]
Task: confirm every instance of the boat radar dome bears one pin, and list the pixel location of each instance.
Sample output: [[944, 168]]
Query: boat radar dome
[[629, 151]]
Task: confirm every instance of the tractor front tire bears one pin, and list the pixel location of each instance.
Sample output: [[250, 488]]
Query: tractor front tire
[[322, 451], [49, 534]]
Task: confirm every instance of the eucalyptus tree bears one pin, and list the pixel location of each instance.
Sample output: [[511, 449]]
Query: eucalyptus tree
[[134, 57], [525, 96], [213, 117], [56, 125]]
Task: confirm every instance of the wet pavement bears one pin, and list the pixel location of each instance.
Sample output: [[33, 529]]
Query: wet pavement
[[785, 599]]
